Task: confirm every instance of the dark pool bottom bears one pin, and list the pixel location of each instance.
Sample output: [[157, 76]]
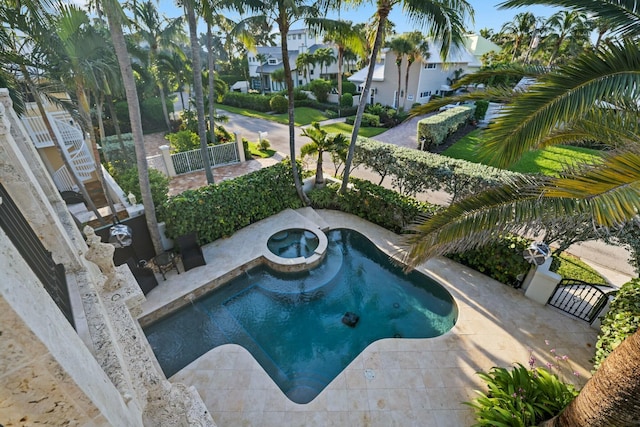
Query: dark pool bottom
[[292, 322]]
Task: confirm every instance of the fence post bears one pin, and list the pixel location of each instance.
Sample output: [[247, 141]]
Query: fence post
[[541, 283], [166, 156], [240, 147]]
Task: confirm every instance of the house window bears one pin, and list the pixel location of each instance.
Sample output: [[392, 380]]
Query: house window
[[429, 66], [425, 94], [272, 61], [311, 72], [300, 82], [299, 36]]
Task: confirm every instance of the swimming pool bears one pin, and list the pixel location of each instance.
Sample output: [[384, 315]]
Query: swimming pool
[[292, 322]]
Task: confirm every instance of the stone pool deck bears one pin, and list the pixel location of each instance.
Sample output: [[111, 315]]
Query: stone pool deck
[[403, 382]]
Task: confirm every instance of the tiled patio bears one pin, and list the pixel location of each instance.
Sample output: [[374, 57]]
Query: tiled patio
[[415, 382]]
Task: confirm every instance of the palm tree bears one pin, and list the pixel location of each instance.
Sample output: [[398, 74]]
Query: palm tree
[[278, 77], [175, 67], [321, 142], [444, 19], [593, 97], [419, 47], [115, 15], [157, 33], [303, 61], [567, 25], [189, 7], [518, 33], [324, 57], [261, 58], [345, 37], [400, 47]]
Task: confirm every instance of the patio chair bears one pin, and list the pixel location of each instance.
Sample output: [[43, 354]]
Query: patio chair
[[190, 251], [144, 276]]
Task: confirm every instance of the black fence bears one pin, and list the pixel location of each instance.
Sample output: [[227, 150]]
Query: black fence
[[38, 258], [580, 299]]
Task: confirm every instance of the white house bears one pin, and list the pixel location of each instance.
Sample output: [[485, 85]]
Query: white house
[[427, 77], [298, 41]]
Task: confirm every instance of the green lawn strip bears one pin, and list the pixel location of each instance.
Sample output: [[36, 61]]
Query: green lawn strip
[[256, 152], [571, 267], [302, 116], [347, 129], [549, 161]]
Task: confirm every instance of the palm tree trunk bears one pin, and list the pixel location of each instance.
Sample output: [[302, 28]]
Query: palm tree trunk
[[340, 61], [120, 46], [116, 123], [384, 7], [59, 145], [611, 396], [212, 92], [406, 84], [283, 26], [197, 87], [399, 64], [165, 110]]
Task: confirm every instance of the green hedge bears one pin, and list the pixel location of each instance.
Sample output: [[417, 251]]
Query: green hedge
[[248, 100], [433, 130], [481, 109], [368, 120], [414, 171], [279, 104], [217, 211], [622, 320], [372, 202]]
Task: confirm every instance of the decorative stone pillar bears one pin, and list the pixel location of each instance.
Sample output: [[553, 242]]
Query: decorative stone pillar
[[101, 254], [540, 282], [240, 146], [166, 156]]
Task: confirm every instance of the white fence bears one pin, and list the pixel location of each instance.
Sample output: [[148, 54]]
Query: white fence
[[191, 161]]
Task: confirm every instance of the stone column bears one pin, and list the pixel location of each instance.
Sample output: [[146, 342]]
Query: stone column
[[540, 283], [240, 147], [166, 156]]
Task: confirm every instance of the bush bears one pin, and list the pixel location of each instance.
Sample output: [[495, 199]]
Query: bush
[[279, 104], [185, 140], [152, 115], [346, 100], [248, 100], [219, 210], [320, 89], [433, 130], [111, 146], [622, 320], [481, 109], [368, 120], [264, 144], [245, 147], [376, 109], [128, 180], [349, 87], [521, 397], [299, 94], [372, 202], [223, 135], [501, 260]]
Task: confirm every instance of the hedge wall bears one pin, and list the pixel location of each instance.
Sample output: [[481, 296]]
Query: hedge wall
[[413, 171], [433, 130], [248, 100], [622, 320], [219, 210]]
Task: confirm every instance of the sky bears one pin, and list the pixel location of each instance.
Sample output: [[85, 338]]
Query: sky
[[486, 14]]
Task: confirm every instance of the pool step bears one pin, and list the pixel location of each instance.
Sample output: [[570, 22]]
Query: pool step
[[312, 215]]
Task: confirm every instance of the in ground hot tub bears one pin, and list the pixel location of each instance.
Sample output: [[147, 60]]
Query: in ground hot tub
[[296, 249]]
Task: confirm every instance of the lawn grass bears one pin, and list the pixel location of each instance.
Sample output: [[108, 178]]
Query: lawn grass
[[367, 132], [571, 267], [302, 116], [549, 161], [256, 152]]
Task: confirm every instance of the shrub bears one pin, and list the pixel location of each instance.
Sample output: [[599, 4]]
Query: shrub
[[372, 202], [223, 135], [481, 109], [279, 104], [152, 115], [622, 320], [346, 100], [128, 180], [349, 87], [501, 260], [264, 144], [185, 140], [111, 146], [433, 130], [248, 100], [320, 89], [299, 94], [376, 109], [219, 210], [369, 120], [245, 147], [521, 397]]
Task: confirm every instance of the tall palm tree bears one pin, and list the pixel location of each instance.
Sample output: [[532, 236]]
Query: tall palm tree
[[261, 58], [175, 67], [593, 97], [324, 57], [345, 37], [303, 61], [419, 48], [115, 17], [190, 8], [400, 47], [518, 33], [158, 33], [566, 26], [445, 20]]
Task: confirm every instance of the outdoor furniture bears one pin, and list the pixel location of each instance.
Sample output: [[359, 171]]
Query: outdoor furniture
[[145, 276], [165, 262], [190, 251]]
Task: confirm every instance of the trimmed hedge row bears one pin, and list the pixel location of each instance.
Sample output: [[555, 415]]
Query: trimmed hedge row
[[219, 210], [374, 203], [248, 100], [413, 171], [622, 320], [433, 130], [368, 120]]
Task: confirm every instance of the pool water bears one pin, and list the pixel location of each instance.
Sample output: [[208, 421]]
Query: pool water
[[292, 322], [293, 243]]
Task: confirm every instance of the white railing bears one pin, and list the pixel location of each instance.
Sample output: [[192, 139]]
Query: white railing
[[63, 180], [191, 161]]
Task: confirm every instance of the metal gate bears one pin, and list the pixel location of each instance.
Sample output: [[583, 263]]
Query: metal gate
[[580, 299]]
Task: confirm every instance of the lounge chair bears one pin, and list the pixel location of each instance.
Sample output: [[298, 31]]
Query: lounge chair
[[190, 251], [144, 276]]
